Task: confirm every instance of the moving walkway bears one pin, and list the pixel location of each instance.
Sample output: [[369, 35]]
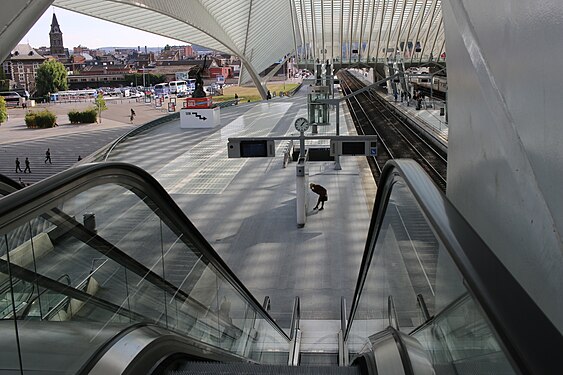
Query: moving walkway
[[142, 291]]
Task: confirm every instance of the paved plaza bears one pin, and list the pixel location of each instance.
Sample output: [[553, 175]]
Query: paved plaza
[[67, 141]]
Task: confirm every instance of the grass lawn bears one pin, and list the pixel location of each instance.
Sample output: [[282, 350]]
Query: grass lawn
[[246, 93]]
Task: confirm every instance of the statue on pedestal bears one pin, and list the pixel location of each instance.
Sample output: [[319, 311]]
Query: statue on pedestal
[[198, 92]]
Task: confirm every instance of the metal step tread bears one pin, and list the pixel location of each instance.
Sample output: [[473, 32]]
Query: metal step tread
[[250, 369]]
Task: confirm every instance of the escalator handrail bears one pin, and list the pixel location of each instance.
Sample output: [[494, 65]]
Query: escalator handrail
[[7, 185], [21, 206], [531, 341]]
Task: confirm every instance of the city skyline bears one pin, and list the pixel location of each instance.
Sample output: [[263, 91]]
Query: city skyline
[[106, 34]]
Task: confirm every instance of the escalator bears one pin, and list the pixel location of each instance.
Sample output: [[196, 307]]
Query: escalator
[[138, 275], [144, 292]]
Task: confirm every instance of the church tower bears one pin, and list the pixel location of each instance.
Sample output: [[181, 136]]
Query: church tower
[[56, 38]]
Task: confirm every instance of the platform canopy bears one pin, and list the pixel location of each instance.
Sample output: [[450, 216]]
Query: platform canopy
[[263, 32], [369, 31]]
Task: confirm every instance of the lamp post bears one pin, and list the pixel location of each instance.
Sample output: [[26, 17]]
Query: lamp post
[[144, 85], [99, 104]]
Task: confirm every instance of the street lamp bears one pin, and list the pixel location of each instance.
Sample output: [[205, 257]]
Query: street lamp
[[144, 85]]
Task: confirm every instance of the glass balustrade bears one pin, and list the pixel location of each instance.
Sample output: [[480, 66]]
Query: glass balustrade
[[110, 257], [408, 260]]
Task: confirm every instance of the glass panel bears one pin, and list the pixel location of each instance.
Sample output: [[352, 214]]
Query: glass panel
[[460, 341], [409, 260], [14, 295], [109, 258], [404, 264]]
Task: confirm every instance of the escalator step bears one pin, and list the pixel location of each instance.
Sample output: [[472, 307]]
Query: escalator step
[[251, 369]]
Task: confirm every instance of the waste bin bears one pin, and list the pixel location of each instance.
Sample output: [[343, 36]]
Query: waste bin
[[90, 221], [442, 111]]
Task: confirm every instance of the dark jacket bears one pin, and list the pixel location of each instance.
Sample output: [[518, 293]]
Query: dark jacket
[[318, 189]]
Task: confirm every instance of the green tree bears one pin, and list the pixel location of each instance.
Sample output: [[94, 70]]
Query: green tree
[[150, 79], [3, 111], [51, 77], [100, 105]]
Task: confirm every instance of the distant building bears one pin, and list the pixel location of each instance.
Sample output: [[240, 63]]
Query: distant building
[[235, 65], [44, 51], [93, 74], [188, 52], [168, 55], [170, 68], [56, 37], [21, 67], [80, 50], [175, 53], [141, 60], [225, 71]]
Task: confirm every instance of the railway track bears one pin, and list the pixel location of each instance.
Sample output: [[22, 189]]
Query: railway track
[[396, 139]]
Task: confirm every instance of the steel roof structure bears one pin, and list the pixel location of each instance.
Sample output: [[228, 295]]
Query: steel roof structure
[[369, 30], [262, 32]]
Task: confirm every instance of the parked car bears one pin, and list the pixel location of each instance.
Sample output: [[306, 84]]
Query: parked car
[[12, 98]]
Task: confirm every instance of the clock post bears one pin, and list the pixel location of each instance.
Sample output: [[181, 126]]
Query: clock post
[[301, 125]]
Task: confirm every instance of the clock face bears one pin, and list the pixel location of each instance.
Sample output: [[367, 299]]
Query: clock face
[[301, 124]]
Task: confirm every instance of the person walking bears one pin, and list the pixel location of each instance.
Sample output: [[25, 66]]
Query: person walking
[[48, 156], [18, 168], [27, 168], [323, 195]]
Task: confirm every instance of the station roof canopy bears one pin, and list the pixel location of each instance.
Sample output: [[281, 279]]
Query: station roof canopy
[[262, 32]]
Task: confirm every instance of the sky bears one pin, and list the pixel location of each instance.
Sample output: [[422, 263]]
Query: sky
[[91, 32]]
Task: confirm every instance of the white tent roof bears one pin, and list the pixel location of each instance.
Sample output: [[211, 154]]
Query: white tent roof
[[257, 31], [262, 32]]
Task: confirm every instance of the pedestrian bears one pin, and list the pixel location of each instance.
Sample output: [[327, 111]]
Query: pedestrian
[[323, 196], [133, 113], [22, 184], [131, 118], [18, 168], [79, 157], [268, 95], [27, 168], [48, 156]]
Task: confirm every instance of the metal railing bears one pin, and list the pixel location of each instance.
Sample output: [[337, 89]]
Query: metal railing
[[509, 309]]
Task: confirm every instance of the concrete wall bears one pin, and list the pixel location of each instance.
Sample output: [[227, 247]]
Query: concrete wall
[[16, 18], [505, 161]]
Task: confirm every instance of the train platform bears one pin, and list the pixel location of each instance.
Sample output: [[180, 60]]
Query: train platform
[[428, 117], [246, 207]]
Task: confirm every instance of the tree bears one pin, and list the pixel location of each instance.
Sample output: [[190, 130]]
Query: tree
[[100, 105], [3, 111], [149, 78], [51, 77]]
